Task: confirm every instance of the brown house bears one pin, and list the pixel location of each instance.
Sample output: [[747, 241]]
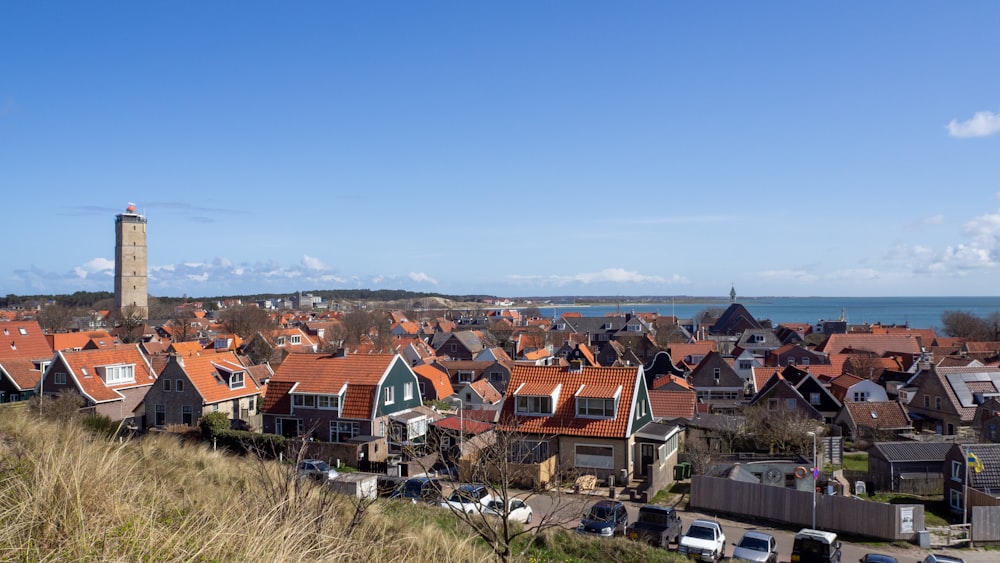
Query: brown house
[[112, 381]]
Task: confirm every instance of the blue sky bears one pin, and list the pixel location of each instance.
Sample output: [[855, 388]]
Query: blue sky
[[509, 148]]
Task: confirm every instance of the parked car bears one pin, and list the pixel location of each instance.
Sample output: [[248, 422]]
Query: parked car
[[657, 525], [877, 558], [606, 518], [316, 469], [419, 489], [468, 499], [937, 558], [517, 510], [703, 541], [757, 547], [815, 546]]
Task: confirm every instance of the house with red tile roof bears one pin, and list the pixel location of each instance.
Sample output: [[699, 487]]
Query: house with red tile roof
[[193, 385], [851, 388], [338, 399], [672, 403], [112, 381], [478, 395], [78, 340], [279, 343], [434, 382], [592, 420], [874, 420], [944, 399], [24, 355]]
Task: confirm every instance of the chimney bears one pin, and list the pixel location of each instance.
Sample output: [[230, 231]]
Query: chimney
[[575, 366]]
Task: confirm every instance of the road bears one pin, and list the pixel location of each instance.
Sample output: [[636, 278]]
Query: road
[[569, 508]]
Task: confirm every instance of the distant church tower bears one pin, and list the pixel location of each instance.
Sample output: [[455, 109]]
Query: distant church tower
[[131, 282]]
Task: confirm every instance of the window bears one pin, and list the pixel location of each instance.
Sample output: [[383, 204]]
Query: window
[[295, 339], [717, 373], [59, 378], [166, 384], [179, 386], [280, 341], [119, 374], [408, 391], [454, 348], [956, 499], [529, 451], [390, 395], [772, 404], [814, 398], [595, 457], [533, 405], [304, 400], [604, 408], [640, 409], [160, 416], [804, 361], [860, 396], [343, 431], [927, 401], [746, 364], [956, 471], [496, 377], [789, 404], [790, 361], [937, 403], [328, 402], [236, 380], [465, 376], [186, 417], [381, 428]]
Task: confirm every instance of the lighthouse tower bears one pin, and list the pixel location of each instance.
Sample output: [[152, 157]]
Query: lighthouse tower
[[131, 281]]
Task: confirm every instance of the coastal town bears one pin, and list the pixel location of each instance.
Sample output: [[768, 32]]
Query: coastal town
[[876, 432]]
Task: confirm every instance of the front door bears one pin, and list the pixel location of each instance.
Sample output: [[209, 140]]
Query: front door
[[646, 458]]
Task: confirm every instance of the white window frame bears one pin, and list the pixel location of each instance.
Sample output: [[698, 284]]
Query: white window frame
[[187, 410], [955, 500], [408, 391], [957, 471], [237, 380], [59, 378], [119, 373], [341, 427], [532, 404], [585, 407], [389, 394], [295, 339]]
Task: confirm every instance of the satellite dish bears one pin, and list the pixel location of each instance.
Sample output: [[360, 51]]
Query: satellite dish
[[773, 477]]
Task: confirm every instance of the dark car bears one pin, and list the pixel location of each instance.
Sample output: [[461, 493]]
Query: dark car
[[606, 518], [815, 546], [657, 525], [419, 489], [877, 558]]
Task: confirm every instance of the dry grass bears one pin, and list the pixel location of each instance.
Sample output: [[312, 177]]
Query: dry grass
[[66, 494]]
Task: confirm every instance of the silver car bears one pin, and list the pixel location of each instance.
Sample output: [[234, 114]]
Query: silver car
[[757, 547]]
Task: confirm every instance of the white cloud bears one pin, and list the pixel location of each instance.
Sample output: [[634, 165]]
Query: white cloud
[[312, 263], [934, 220], [796, 275], [982, 124], [95, 266], [421, 277]]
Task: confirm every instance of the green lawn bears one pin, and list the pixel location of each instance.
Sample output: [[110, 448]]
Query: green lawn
[[856, 462]]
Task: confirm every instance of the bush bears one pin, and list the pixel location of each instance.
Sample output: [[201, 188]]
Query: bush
[[267, 446], [213, 423], [101, 425]]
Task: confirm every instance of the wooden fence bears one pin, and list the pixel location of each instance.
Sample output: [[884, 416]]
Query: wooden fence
[[889, 522], [985, 524]]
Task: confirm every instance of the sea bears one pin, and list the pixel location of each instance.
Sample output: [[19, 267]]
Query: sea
[[914, 312]]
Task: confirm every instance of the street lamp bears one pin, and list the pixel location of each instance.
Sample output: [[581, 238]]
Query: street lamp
[[815, 472]]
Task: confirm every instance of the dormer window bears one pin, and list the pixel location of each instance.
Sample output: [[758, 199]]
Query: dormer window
[[236, 380], [280, 341], [534, 405], [597, 401], [536, 399], [116, 374], [295, 339]]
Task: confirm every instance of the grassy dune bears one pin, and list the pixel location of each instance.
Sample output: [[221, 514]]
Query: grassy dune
[[67, 494]]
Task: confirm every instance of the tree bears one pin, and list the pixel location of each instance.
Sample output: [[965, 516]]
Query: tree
[[129, 322], [779, 430], [963, 324], [245, 321], [864, 365], [505, 460], [357, 323], [182, 331], [55, 317]]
